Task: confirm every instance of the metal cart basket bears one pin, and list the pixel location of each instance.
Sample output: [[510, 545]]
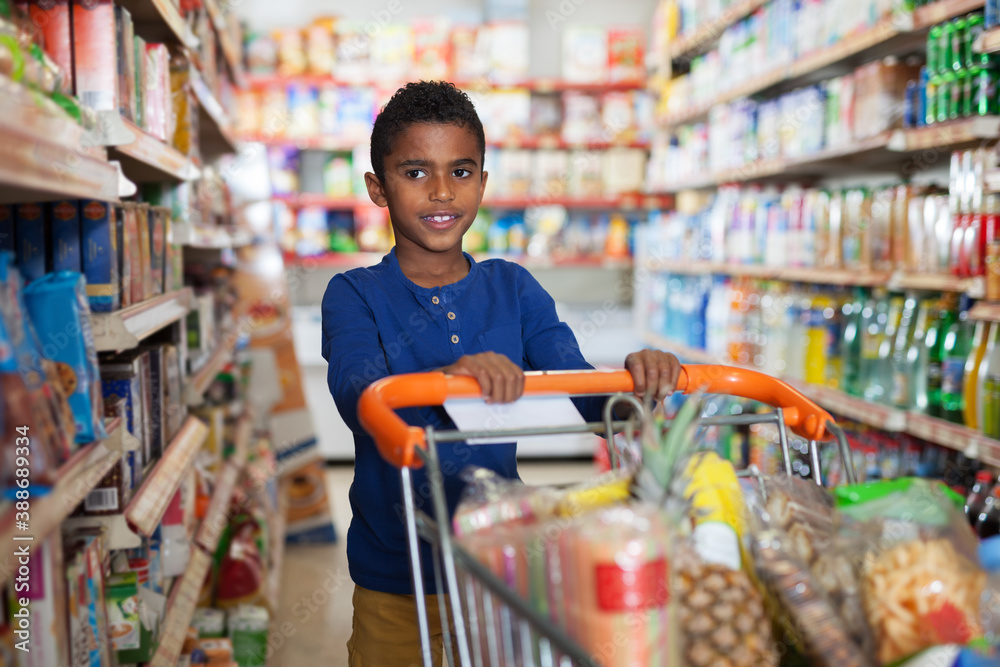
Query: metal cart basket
[[516, 632]]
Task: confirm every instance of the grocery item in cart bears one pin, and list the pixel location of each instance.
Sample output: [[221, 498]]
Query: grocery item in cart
[[816, 587], [617, 585], [921, 578]]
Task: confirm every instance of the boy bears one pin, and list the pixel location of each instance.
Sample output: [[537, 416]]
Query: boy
[[428, 306]]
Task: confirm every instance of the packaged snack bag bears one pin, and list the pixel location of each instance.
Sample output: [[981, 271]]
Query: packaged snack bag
[[920, 576], [58, 307]]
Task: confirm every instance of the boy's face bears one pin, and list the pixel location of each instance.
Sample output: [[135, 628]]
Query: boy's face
[[433, 186]]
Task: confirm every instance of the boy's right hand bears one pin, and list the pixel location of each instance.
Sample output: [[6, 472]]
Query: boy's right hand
[[501, 380]]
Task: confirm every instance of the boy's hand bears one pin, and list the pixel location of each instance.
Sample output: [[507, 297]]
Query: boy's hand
[[653, 372], [501, 380]]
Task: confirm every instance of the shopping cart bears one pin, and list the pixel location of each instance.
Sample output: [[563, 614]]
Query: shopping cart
[[540, 640]]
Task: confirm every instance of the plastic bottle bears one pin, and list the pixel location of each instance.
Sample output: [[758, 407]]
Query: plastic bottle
[[973, 364], [917, 357], [880, 381], [900, 370], [976, 500], [850, 342], [817, 347], [985, 416], [956, 346], [873, 322], [988, 521], [945, 314], [989, 243]]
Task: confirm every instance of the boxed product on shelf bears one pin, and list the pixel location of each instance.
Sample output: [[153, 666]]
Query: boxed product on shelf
[[86, 553], [100, 255], [95, 54], [32, 240], [432, 48], [45, 595], [509, 49], [585, 53], [64, 229], [126, 377], [392, 51], [470, 56], [626, 54], [54, 23]]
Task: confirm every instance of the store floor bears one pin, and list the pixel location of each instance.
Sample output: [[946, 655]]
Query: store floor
[[315, 631]]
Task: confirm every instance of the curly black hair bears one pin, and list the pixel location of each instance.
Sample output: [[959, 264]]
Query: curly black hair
[[422, 102]]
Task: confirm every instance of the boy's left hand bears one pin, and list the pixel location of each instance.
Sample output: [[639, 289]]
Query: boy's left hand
[[653, 372]]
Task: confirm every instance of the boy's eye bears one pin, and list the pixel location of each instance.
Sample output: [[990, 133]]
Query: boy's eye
[[415, 173], [462, 173]]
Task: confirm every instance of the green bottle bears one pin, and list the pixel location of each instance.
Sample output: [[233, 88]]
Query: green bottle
[[955, 351], [958, 92], [850, 343], [974, 26], [946, 312], [957, 52], [931, 96], [944, 96], [934, 50], [945, 46]]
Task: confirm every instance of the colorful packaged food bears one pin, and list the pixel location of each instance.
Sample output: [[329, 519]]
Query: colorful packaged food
[[123, 611], [94, 54], [100, 255], [585, 56], [210, 623], [921, 577], [60, 313], [816, 585], [248, 627], [53, 20], [45, 594]]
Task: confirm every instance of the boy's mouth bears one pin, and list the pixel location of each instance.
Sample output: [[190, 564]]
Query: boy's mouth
[[442, 220]]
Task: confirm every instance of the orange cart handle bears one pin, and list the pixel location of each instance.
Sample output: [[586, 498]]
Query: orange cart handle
[[396, 440]]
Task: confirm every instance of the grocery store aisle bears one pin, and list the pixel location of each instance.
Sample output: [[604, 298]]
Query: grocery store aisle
[[314, 617]]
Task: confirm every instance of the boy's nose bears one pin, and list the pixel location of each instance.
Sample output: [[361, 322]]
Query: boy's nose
[[441, 190]]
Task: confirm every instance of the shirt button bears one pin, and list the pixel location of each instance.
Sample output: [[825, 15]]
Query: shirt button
[[451, 316], [454, 339], [435, 300]]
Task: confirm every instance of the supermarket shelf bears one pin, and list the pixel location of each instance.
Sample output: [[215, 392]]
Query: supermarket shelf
[[115, 527], [74, 480], [533, 143], [891, 149], [180, 609], [44, 156], [974, 287], [984, 310], [125, 329], [214, 127], [540, 85], [937, 12], [217, 516], [988, 42], [341, 145], [972, 443], [160, 20], [687, 46], [627, 202], [230, 50], [241, 444], [205, 236], [280, 526], [310, 200], [796, 167], [937, 431], [843, 277], [890, 35], [880, 416], [946, 135], [147, 159], [198, 382], [150, 501]]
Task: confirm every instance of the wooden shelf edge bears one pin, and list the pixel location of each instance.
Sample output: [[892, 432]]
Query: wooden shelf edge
[[180, 609], [150, 501], [936, 431], [126, 328]]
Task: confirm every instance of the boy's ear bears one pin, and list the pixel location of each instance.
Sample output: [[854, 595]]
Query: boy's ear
[[482, 186], [375, 190]]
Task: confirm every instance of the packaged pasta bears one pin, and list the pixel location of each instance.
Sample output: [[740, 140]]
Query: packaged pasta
[[920, 575], [816, 588]]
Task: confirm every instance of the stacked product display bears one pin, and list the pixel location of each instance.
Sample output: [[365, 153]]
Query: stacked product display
[[127, 446], [576, 142]]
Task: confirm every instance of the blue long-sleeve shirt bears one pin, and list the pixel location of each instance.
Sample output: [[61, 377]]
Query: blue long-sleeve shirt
[[377, 322]]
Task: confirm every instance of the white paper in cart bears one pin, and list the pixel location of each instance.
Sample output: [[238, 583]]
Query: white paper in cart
[[474, 414]]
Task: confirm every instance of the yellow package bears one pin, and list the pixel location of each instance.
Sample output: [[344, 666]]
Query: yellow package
[[717, 509]]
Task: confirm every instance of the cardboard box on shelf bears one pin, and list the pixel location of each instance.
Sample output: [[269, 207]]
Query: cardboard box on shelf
[[31, 241], [64, 233], [100, 255], [95, 66]]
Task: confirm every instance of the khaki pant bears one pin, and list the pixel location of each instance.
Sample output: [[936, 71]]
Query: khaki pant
[[385, 632]]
